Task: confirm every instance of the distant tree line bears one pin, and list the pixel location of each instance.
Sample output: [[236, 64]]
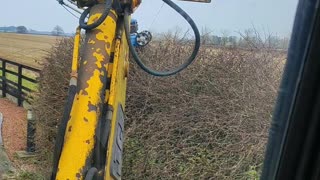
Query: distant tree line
[[14, 29], [57, 30], [250, 38], [8, 29]]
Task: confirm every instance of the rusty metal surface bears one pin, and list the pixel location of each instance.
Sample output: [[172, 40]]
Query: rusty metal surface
[[94, 47], [77, 154]]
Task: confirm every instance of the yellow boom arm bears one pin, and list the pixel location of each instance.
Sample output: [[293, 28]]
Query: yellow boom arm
[[90, 139], [96, 124]]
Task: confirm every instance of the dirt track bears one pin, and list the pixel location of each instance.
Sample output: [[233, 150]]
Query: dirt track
[[25, 48], [13, 131]]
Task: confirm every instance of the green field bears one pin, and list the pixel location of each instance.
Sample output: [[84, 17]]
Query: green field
[[24, 48], [25, 83]]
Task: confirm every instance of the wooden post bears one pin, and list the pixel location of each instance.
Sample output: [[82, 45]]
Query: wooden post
[[31, 129], [30, 149], [4, 84], [20, 85]]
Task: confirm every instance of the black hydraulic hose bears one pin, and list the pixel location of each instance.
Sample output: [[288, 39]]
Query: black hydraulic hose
[[90, 175], [181, 67], [104, 15], [62, 130]]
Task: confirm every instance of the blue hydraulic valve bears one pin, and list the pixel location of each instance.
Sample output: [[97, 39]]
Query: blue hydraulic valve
[[138, 39]]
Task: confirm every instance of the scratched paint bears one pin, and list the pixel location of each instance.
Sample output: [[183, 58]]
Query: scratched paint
[[117, 94], [79, 141]]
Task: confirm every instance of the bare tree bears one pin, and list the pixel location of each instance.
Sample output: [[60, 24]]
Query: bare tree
[[57, 31], [205, 36], [225, 37], [22, 29]]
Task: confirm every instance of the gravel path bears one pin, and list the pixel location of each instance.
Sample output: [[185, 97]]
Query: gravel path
[[1, 120], [14, 127], [4, 161]]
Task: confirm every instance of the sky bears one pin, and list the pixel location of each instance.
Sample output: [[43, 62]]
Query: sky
[[220, 16]]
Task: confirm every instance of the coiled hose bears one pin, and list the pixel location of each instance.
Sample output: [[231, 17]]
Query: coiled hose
[[181, 67], [84, 25], [134, 53]]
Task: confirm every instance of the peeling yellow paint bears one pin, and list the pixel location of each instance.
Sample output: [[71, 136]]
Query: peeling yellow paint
[[91, 41], [117, 94], [100, 59], [79, 139]]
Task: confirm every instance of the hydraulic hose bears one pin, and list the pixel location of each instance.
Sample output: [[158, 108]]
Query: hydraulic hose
[[181, 67], [62, 130], [104, 15], [90, 175]]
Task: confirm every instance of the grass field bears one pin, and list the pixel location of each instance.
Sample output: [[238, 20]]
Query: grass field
[[24, 48], [25, 83]]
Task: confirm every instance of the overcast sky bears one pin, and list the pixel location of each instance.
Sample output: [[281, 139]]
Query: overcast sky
[[274, 16]]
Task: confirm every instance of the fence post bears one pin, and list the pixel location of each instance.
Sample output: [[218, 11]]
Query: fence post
[[30, 132], [20, 85], [4, 84]]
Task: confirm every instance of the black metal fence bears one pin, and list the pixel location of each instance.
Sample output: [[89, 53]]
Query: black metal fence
[[12, 76]]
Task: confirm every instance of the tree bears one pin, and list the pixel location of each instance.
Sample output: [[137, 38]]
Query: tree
[[232, 41], [284, 43], [57, 31], [225, 37], [22, 29], [205, 36], [216, 40], [251, 38]]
